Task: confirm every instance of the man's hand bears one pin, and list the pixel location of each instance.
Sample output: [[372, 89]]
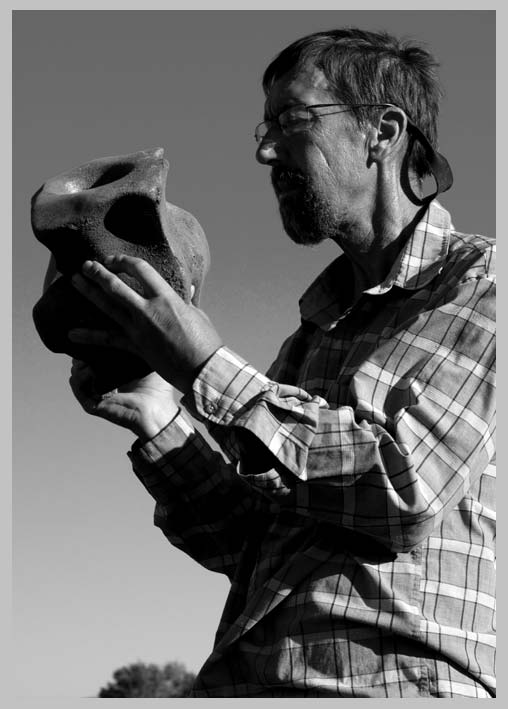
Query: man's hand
[[174, 338], [144, 406]]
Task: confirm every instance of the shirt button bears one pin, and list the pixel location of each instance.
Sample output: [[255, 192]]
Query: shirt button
[[210, 408]]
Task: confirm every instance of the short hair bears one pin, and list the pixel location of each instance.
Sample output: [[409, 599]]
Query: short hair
[[371, 67]]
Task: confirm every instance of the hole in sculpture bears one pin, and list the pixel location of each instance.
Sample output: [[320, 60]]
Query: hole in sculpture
[[134, 218], [112, 174]]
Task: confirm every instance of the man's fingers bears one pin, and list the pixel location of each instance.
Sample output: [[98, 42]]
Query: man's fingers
[[153, 283], [110, 283], [104, 300]]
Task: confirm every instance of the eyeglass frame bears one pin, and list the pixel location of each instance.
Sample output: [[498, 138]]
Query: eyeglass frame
[[438, 164], [276, 120]]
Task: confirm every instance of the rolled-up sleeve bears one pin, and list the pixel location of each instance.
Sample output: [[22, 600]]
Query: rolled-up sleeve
[[202, 506]]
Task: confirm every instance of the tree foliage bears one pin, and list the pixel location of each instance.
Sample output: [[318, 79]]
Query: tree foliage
[[141, 680]]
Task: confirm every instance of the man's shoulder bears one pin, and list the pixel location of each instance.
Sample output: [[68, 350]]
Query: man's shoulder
[[473, 255]]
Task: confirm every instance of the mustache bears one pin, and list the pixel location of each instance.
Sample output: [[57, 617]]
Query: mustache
[[283, 176]]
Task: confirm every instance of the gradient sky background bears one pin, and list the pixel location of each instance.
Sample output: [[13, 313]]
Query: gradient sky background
[[96, 585]]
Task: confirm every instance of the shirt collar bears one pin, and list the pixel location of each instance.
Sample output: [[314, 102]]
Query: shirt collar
[[327, 300]]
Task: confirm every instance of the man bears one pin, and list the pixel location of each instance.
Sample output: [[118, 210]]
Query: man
[[355, 519]]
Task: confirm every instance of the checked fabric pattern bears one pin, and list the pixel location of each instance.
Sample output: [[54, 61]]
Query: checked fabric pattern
[[353, 510]]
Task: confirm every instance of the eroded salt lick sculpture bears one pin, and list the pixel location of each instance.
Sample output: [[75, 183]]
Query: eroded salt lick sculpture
[[109, 206]]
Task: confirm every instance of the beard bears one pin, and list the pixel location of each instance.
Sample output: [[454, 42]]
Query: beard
[[306, 217]]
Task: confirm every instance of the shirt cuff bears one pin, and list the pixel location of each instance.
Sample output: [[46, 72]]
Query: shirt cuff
[[175, 433], [224, 387], [177, 457]]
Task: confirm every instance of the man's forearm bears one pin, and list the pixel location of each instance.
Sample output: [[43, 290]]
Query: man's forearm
[[203, 507]]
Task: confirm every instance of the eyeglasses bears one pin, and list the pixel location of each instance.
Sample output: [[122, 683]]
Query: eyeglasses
[[298, 118]]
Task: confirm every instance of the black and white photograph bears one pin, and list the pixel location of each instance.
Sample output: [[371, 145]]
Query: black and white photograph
[[254, 340]]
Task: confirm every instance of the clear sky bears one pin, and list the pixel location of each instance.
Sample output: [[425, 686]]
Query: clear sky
[[96, 585]]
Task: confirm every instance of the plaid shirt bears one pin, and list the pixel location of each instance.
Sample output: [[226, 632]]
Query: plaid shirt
[[356, 517]]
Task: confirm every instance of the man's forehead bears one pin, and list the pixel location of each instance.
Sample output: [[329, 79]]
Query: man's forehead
[[302, 85]]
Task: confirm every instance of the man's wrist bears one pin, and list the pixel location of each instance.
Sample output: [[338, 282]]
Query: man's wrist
[[150, 424]]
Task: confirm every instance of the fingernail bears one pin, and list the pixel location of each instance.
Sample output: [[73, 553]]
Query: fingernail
[[87, 265]]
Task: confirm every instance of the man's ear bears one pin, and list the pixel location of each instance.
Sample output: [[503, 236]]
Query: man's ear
[[389, 135]]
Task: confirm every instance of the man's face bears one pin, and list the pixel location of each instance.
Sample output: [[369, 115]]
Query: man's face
[[319, 172]]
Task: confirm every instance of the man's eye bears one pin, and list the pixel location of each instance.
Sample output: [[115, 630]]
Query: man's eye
[[293, 117]]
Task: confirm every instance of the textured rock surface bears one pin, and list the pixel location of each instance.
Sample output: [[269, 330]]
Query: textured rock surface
[[108, 206]]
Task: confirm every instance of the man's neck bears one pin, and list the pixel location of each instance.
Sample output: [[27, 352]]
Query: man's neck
[[373, 244]]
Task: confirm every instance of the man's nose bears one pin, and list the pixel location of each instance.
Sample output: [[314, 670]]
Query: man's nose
[[268, 150]]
